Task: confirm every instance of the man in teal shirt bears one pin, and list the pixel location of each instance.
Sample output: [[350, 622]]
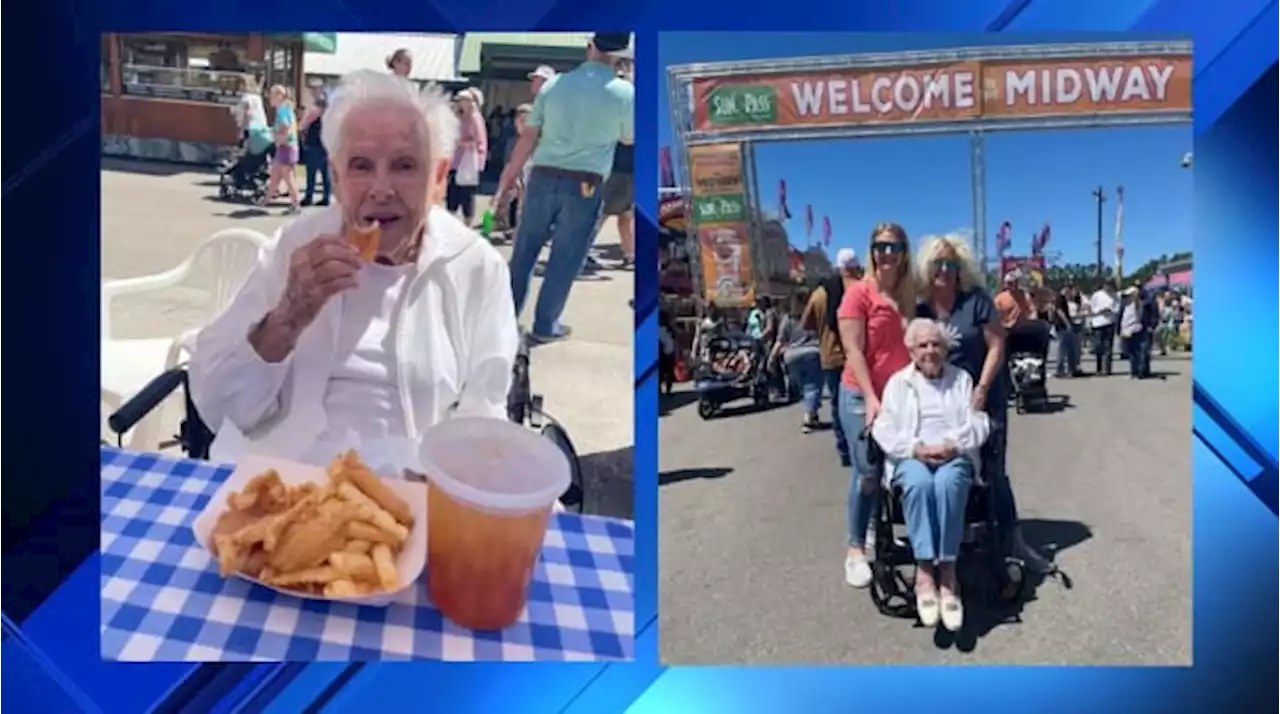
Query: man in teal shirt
[[578, 119]]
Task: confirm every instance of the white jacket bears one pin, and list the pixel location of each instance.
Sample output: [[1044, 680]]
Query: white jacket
[[898, 423], [456, 342]]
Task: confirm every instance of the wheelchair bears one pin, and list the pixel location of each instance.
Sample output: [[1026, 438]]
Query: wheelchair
[[986, 575], [194, 437]]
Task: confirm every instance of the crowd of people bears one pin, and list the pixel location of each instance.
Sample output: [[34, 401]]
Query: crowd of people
[[564, 161], [913, 351]]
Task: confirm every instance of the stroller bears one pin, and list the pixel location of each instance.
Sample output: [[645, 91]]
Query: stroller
[[732, 368], [194, 436], [245, 174], [986, 575], [1027, 347]]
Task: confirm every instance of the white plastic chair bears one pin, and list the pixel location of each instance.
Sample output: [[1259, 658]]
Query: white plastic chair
[[225, 258]]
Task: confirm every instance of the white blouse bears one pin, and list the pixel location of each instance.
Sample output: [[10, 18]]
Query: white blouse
[[363, 395]]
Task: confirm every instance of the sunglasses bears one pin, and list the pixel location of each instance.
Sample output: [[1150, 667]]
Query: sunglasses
[[887, 248], [947, 265]]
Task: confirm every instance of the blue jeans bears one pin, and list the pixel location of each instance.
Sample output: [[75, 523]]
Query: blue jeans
[[1068, 352], [864, 492], [805, 372], [1139, 354], [556, 209], [933, 503], [832, 379], [317, 170]]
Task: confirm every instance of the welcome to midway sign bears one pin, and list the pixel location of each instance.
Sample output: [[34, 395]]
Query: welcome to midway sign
[[959, 91]]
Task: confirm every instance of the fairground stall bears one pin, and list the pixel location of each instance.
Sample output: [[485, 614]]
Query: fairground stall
[[167, 96], [721, 111]]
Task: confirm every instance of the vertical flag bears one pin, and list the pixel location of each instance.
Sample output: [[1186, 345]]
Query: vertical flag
[[1040, 241], [666, 171], [808, 224], [784, 214], [826, 231], [1003, 238]]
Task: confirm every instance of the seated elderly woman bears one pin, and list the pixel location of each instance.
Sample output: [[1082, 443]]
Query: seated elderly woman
[[321, 345], [931, 436]]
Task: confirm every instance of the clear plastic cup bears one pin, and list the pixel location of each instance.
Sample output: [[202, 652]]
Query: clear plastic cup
[[491, 487]]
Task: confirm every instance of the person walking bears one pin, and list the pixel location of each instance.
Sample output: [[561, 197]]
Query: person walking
[[1103, 309], [820, 316], [314, 155], [578, 119]]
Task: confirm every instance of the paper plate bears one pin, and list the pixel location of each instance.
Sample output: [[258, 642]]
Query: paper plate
[[409, 563]]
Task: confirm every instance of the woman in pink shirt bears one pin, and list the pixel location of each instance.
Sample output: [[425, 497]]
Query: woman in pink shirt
[[872, 317], [473, 148]]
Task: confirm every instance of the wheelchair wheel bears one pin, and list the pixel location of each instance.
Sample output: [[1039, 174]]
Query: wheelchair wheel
[[574, 498], [1011, 583], [890, 591], [707, 408]]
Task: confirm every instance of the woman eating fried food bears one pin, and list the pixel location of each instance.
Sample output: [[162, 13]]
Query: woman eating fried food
[[378, 316]]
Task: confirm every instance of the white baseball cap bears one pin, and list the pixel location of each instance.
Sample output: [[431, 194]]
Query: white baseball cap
[[846, 259], [545, 71]]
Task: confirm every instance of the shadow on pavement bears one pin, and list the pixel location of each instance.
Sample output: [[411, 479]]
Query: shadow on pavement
[[678, 475], [668, 403], [1051, 404], [152, 168], [1047, 537], [608, 483]]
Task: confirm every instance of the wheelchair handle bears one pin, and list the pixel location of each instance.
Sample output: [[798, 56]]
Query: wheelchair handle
[[146, 400]]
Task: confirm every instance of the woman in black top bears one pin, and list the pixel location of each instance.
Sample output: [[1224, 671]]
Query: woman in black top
[[314, 155]]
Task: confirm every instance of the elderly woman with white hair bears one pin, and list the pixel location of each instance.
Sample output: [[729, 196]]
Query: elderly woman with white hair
[[932, 436], [324, 343], [953, 294]]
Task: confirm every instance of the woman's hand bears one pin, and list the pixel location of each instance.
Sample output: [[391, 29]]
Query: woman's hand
[[873, 410], [978, 400], [317, 271]]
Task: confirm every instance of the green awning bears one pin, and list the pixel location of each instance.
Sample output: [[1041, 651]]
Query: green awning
[[323, 42]]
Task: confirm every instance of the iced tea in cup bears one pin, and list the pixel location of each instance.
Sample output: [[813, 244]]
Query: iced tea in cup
[[491, 486]]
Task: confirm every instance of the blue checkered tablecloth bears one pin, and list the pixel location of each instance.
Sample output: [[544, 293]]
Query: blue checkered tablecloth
[[162, 598]]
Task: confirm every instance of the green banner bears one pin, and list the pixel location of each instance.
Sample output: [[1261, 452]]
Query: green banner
[[730, 208], [323, 42], [743, 105]]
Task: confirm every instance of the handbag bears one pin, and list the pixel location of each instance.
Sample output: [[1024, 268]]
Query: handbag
[[468, 171]]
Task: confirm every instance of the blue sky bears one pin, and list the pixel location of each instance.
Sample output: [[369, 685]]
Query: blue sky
[[1033, 177]]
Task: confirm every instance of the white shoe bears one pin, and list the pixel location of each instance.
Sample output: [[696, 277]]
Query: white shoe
[[952, 613], [927, 609], [857, 571]]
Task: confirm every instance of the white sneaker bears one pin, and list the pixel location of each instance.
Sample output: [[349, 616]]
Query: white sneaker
[[952, 613], [927, 609], [857, 571]]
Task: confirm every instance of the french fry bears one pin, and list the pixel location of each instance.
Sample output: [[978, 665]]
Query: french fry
[[346, 588], [385, 566], [360, 530], [372, 512], [350, 469], [356, 566], [357, 546], [322, 575]]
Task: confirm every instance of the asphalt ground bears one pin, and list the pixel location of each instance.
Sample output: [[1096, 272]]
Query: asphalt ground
[[752, 533]]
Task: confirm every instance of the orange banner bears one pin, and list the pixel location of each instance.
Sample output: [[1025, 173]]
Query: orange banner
[[945, 92], [725, 254], [716, 170]]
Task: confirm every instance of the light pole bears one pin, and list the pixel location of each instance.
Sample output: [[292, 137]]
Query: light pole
[[1100, 196]]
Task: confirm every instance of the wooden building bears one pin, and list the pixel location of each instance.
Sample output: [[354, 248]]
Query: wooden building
[[168, 96]]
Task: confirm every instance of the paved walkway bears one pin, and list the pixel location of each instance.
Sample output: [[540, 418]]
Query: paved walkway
[[752, 537], [153, 216]]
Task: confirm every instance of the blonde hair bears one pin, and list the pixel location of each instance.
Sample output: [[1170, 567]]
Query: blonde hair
[[970, 275], [904, 290]]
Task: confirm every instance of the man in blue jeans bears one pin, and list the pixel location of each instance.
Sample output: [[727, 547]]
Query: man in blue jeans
[[578, 119]]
